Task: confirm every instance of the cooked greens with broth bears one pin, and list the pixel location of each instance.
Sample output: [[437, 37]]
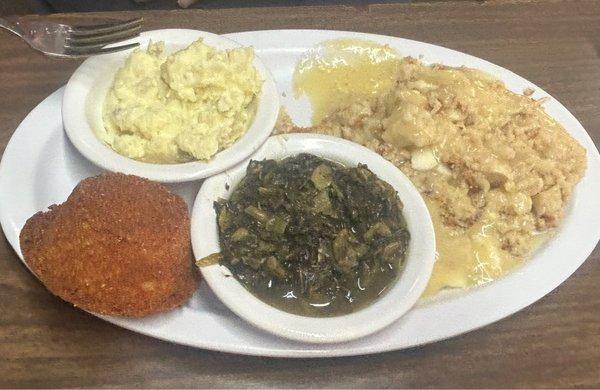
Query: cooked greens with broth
[[312, 237]]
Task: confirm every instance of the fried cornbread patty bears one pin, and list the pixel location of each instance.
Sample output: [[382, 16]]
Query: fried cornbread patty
[[120, 245]]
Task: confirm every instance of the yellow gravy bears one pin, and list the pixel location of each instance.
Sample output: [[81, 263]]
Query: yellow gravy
[[471, 256], [336, 72]]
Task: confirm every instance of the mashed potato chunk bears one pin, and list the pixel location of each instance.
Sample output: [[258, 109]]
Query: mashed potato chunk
[[184, 107]]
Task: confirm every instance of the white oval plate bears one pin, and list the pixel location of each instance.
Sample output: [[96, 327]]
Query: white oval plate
[[41, 167], [87, 88], [399, 298]]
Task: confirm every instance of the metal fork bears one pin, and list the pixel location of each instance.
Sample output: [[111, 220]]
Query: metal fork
[[61, 40]]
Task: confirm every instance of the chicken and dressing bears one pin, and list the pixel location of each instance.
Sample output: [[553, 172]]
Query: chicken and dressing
[[495, 170]]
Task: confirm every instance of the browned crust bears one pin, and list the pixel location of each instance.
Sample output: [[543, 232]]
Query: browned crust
[[120, 245]]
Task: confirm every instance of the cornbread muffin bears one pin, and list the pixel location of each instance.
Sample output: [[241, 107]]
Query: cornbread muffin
[[120, 245]]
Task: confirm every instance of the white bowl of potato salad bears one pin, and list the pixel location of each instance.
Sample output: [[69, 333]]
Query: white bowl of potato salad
[[182, 106]]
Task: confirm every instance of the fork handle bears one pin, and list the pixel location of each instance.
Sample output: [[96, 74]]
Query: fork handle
[[12, 26]]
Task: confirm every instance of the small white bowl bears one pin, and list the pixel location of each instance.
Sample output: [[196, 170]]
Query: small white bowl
[[405, 291], [87, 88]]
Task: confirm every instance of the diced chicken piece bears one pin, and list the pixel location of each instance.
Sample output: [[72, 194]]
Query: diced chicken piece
[[547, 204], [531, 186], [497, 174], [410, 126], [519, 204], [443, 169], [421, 85], [423, 159]]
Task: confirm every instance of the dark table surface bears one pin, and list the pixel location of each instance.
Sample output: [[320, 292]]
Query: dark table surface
[[553, 343], [56, 6]]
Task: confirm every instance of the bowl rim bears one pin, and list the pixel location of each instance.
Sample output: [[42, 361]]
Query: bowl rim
[[403, 294], [77, 112]]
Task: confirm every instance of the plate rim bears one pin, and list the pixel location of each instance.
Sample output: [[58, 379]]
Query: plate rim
[[300, 350]]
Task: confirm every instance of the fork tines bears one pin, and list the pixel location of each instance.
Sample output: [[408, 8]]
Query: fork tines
[[93, 39]]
